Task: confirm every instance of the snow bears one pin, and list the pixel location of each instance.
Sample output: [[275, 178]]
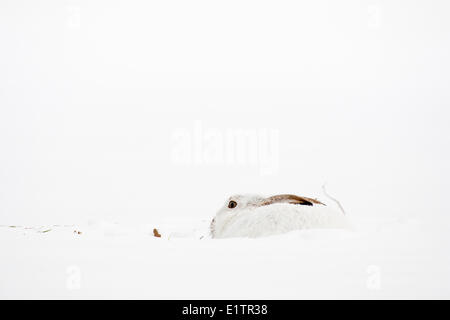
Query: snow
[[395, 258], [119, 117]]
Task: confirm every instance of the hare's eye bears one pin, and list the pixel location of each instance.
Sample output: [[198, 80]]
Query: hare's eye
[[232, 204]]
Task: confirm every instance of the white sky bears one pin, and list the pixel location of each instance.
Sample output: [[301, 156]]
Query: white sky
[[92, 92]]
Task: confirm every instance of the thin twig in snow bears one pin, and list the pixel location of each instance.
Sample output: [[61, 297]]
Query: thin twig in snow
[[332, 198]]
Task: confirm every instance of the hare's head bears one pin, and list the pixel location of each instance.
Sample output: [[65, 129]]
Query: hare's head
[[239, 205]]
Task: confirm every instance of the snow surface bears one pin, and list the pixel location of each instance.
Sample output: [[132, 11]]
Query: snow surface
[[395, 258], [116, 117]]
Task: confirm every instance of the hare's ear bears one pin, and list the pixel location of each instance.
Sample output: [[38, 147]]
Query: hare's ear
[[290, 198]]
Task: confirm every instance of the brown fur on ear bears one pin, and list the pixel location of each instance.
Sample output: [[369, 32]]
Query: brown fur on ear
[[292, 199]]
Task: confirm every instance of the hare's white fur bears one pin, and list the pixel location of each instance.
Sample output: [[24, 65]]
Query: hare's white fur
[[251, 219]]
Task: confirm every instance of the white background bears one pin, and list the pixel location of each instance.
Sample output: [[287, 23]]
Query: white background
[[91, 93]]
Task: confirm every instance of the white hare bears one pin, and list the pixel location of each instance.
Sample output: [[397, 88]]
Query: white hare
[[255, 216]]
